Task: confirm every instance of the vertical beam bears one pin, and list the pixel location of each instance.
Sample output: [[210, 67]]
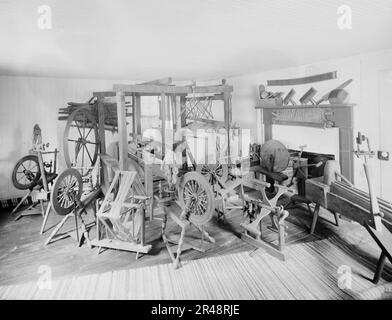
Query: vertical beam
[[163, 123], [346, 148], [174, 111], [227, 113], [101, 126], [138, 114], [259, 126], [122, 130], [182, 125], [42, 170], [149, 187], [267, 122], [104, 177]]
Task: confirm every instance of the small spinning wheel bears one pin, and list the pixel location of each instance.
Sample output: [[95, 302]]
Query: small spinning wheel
[[213, 171], [81, 140], [195, 194], [26, 173], [67, 191]]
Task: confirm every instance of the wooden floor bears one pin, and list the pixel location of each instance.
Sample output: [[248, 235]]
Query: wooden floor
[[227, 269]]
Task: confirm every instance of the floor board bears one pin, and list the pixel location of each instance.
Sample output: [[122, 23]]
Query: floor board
[[311, 271]]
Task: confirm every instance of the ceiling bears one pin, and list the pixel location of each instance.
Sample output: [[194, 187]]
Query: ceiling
[[185, 39]]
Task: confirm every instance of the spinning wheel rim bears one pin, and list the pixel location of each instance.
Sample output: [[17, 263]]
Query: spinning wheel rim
[[26, 176], [83, 140], [195, 193], [209, 170], [67, 191]]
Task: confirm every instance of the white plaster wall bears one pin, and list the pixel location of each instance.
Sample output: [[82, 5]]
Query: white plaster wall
[[25, 101], [363, 69]]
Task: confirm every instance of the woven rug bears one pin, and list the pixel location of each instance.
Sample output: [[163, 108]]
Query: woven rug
[[311, 272]]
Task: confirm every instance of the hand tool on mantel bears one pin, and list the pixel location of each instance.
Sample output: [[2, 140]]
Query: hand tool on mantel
[[326, 96], [308, 96], [289, 98], [374, 207]]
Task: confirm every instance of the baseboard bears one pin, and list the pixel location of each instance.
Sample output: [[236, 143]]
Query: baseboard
[[13, 202]]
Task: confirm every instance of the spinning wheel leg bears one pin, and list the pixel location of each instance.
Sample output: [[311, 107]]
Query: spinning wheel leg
[[177, 262], [181, 243], [45, 218], [84, 233], [20, 203], [58, 227]]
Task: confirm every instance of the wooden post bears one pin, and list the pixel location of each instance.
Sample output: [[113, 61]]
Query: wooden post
[[122, 130], [42, 169], [163, 123], [259, 126], [102, 139], [137, 114], [227, 107], [182, 125], [267, 122], [149, 187], [101, 126], [346, 147]]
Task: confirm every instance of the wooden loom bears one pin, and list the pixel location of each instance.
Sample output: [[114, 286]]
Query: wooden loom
[[179, 106]]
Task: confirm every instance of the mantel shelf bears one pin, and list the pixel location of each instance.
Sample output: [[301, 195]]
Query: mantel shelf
[[307, 106]]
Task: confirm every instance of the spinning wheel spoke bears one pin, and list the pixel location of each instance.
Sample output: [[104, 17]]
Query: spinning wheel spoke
[[66, 191], [77, 126], [88, 153], [195, 194], [26, 172], [76, 151], [89, 142], [213, 171], [88, 133]]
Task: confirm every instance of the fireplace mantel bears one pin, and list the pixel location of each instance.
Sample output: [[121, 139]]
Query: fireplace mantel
[[340, 116]]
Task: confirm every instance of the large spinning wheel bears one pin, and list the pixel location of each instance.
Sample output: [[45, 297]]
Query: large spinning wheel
[[66, 191], [81, 140], [26, 173], [274, 156], [195, 194]]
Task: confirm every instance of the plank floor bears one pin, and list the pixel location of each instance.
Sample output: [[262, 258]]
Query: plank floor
[[228, 270]]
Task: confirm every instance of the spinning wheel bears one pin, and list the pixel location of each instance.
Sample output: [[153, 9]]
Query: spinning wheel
[[274, 156], [195, 194], [26, 173], [81, 140], [66, 191], [213, 171]]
